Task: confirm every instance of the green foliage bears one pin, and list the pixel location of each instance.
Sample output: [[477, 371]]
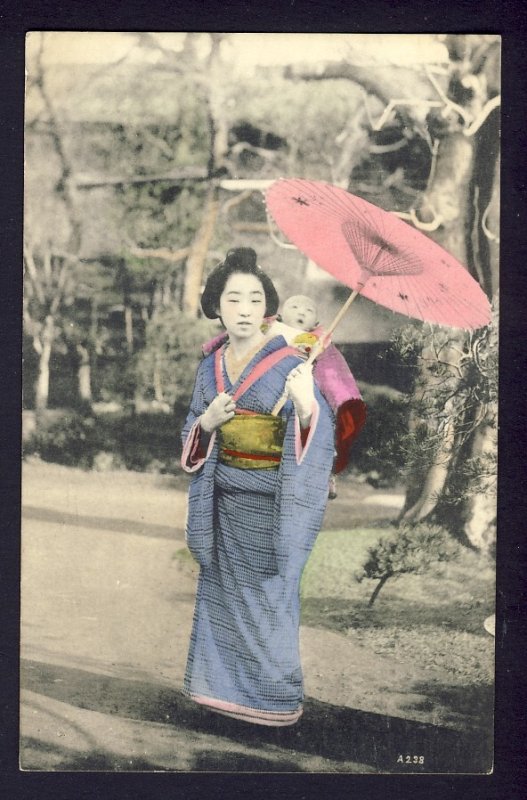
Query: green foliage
[[456, 388], [148, 442], [72, 439], [379, 450], [169, 360], [412, 549], [456, 378], [303, 117]]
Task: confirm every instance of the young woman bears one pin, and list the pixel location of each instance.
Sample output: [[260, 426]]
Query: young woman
[[257, 497]]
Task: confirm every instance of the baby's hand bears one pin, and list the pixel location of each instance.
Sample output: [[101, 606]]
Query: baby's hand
[[220, 410], [300, 388]]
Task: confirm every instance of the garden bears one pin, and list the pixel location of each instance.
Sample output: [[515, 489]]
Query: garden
[[132, 197]]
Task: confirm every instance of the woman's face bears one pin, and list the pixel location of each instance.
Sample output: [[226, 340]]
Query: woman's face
[[242, 306]]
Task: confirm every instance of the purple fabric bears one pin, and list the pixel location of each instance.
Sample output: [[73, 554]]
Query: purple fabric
[[334, 378]]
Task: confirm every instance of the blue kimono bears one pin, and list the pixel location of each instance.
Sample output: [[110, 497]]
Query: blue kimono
[[252, 530]]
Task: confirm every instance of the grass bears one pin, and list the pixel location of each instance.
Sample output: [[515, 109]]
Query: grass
[[434, 620]]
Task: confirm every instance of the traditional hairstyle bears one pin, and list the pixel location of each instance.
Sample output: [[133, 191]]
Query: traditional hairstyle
[[239, 259]]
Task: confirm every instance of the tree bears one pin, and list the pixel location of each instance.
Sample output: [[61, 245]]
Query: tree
[[69, 234], [50, 250], [167, 364], [411, 550], [454, 110], [208, 80]]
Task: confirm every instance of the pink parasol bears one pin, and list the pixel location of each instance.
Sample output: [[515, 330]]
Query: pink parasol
[[377, 254]]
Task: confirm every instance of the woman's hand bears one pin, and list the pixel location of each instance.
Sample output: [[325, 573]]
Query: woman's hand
[[220, 410], [300, 388]]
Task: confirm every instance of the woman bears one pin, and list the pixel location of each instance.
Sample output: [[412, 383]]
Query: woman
[[256, 501]]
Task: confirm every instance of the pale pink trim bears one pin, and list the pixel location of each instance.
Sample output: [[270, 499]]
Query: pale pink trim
[[300, 451], [248, 714], [261, 368], [189, 460], [255, 720], [218, 369]]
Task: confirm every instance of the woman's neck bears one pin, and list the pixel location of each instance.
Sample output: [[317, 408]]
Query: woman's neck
[[242, 347]]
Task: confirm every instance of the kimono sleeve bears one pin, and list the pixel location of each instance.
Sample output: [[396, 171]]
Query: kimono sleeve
[[303, 490], [199, 530], [193, 455]]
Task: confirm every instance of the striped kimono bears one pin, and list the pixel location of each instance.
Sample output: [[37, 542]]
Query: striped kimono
[[252, 530]]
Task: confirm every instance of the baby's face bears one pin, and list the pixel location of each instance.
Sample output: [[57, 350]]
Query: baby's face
[[299, 311]]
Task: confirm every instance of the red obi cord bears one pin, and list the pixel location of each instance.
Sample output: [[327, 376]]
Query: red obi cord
[[252, 456]]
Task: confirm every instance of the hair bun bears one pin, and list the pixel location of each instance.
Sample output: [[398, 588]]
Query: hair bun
[[238, 259], [241, 257]]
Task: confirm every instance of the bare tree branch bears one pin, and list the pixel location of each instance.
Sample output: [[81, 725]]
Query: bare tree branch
[[235, 201], [161, 252], [482, 116], [66, 167]]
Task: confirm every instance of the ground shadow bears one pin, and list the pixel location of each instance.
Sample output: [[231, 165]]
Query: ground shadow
[[474, 703], [38, 755], [334, 613], [149, 529], [347, 512], [232, 761], [328, 731]]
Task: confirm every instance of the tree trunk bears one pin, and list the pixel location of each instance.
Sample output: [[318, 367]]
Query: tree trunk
[[198, 254], [42, 383], [218, 150], [448, 196], [448, 199], [129, 327], [84, 374], [378, 588], [158, 385], [480, 527], [434, 479]]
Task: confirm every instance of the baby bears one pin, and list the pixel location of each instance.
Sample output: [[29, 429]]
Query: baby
[[331, 373], [299, 311]]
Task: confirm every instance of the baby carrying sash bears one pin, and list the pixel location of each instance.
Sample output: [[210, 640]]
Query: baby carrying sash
[[250, 440], [256, 373]]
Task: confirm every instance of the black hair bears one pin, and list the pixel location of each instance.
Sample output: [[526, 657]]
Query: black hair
[[239, 259]]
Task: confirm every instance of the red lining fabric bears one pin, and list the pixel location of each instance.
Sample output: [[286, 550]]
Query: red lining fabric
[[351, 417]]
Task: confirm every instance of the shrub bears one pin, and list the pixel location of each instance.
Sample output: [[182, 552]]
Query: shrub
[[72, 439], [167, 365], [140, 442], [412, 549], [379, 449], [148, 442]]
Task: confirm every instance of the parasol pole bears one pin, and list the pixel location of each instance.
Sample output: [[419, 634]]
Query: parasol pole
[[321, 343]]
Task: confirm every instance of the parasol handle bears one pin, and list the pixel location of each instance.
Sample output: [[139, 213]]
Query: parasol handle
[[320, 345]]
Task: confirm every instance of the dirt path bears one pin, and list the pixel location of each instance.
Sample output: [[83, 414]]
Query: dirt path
[[106, 616]]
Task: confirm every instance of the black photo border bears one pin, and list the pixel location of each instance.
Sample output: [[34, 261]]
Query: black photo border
[[505, 18]]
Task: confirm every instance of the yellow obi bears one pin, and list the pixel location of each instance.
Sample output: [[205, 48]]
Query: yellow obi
[[252, 441]]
